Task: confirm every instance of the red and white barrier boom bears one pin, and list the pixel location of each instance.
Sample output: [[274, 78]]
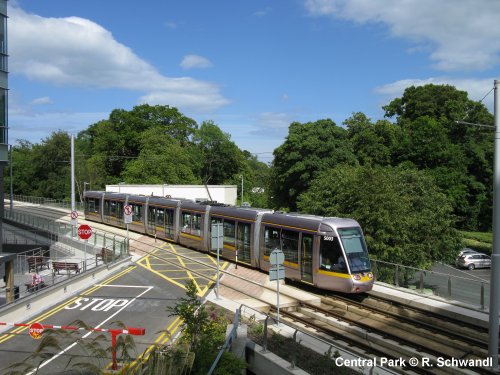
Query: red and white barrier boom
[[36, 331]]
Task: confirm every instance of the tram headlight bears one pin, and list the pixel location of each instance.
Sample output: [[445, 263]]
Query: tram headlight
[[370, 275], [356, 277]]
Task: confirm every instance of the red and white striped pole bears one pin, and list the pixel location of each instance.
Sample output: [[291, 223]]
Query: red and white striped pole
[[36, 331]]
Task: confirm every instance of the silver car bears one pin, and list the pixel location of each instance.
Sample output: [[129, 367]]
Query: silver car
[[472, 261], [466, 251]]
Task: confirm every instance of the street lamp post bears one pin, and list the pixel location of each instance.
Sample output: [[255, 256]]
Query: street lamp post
[[241, 190], [495, 255]]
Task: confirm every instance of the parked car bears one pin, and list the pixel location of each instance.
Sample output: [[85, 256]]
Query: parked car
[[466, 251], [473, 260]]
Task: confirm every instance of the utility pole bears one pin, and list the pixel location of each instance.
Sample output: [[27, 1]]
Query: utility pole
[[241, 190], [495, 255], [72, 173]]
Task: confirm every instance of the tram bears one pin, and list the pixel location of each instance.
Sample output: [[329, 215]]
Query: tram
[[326, 252]]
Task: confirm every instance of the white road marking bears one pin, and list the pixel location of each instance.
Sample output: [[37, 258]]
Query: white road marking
[[89, 333]]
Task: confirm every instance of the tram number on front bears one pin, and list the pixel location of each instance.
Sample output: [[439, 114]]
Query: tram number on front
[[328, 238]]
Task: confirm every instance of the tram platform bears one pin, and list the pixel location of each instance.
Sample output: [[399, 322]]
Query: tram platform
[[448, 308], [235, 292]]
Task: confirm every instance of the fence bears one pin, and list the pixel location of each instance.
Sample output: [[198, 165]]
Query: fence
[[100, 239], [66, 251], [470, 290], [62, 203]]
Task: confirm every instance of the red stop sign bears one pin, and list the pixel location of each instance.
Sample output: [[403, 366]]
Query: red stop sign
[[84, 232], [36, 331]]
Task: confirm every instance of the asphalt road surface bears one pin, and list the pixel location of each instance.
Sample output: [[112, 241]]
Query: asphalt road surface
[[135, 297], [465, 285]]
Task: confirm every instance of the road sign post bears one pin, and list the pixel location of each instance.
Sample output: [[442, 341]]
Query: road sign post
[[36, 331], [127, 216], [217, 235], [74, 218], [84, 232], [277, 258]]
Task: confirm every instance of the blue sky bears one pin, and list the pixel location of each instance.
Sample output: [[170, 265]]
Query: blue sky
[[252, 67]]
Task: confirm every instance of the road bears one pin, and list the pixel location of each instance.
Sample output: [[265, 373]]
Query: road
[[136, 297], [465, 284]]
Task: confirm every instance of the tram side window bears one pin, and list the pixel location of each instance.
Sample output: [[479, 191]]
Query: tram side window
[[191, 223], [229, 233], [92, 205], [290, 245], [136, 212], [151, 216], [107, 209], [169, 218], [196, 228], [112, 209], [271, 240], [160, 217], [186, 222], [331, 257]]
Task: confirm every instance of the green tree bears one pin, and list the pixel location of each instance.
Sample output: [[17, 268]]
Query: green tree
[[404, 215], [373, 144], [161, 160], [205, 333], [23, 173], [308, 150], [459, 155], [115, 141], [52, 166], [218, 158]]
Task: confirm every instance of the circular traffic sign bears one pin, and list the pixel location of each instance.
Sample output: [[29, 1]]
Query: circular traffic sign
[[36, 331], [84, 232], [74, 215], [127, 210]]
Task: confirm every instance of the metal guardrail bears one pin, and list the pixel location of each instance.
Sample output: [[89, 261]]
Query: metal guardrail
[[302, 337], [62, 203], [100, 239], [64, 243], [469, 290]]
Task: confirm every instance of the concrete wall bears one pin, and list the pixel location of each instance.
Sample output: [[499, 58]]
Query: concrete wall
[[267, 363], [221, 193]]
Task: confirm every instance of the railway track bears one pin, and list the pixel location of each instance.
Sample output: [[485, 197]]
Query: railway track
[[431, 344], [384, 330]]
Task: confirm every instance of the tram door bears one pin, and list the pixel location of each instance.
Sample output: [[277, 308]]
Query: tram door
[[306, 258]]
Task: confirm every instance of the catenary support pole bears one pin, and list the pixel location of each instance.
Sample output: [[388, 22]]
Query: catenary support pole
[[495, 261], [72, 173], [11, 186]]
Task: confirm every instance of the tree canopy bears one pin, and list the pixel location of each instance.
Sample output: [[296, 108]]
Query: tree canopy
[[409, 178], [308, 149], [404, 215]]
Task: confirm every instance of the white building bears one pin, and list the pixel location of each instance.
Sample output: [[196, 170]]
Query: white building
[[221, 193]]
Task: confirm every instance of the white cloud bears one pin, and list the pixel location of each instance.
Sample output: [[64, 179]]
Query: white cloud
[[272, 124], [463, 34], [476, 88], [34, 127], [77, 52], [263, 12], [41, 101], [195, 61]]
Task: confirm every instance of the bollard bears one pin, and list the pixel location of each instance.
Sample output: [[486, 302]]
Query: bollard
[[482, 296], [421, 281], [264, 343], [396, 282], [449, 286]]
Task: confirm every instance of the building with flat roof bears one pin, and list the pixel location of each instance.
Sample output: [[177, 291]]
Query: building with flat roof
[[221, 193]]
